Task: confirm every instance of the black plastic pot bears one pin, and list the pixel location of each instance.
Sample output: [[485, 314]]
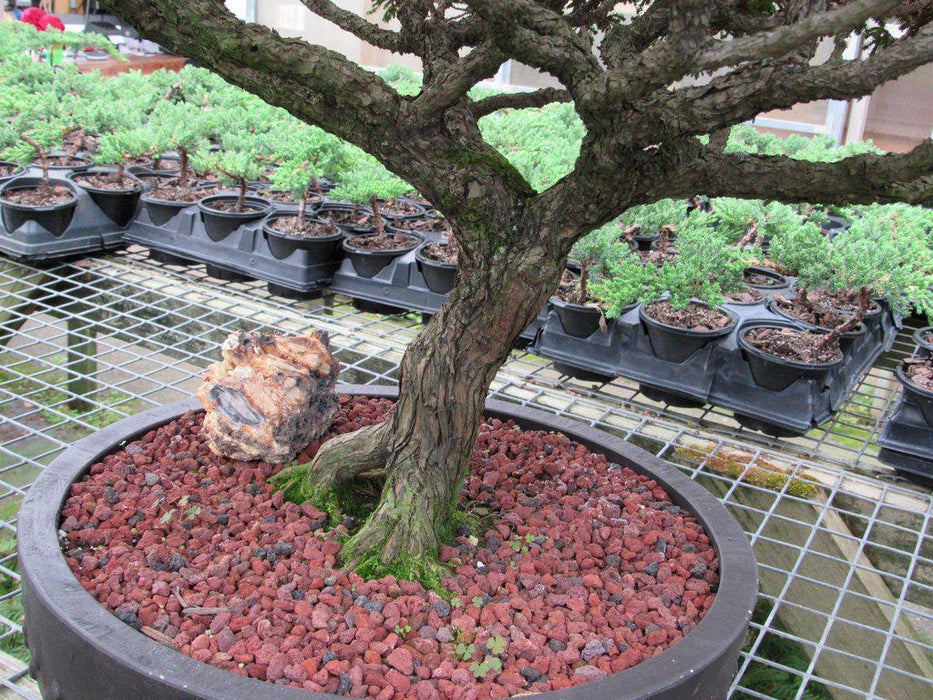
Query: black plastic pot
[[644, 241], [677, 344], [323, 249], [440, 277], [846, 341], [924, 339], [80, 651], [161, 211], [780, 281], [346, 206], [577, 320], [55, 218], [369, 263], [16, 173], [776, 373], [118, 205], [55, 170], [420, 214], [220, 224], [920, 396]]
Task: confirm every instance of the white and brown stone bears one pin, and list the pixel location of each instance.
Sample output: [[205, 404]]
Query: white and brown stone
[[269, 396]]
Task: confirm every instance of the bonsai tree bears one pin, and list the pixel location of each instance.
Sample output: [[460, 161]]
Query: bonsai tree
[[122, 147], [306, 155], [600, 249], [366, 181], [660, 217], [883, 255], [752, 222], [706, 269], [35, 142], [640, 124], [181, 127], [624, 283]]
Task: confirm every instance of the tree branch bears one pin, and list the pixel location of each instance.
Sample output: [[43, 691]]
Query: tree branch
[[862, 179], [358, 26], [519, 100], [449, 84], [782, 40], [541, 38], [739, 96]]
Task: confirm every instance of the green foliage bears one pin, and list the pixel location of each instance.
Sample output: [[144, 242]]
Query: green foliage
[[802, 250], [623, 284], [706, 267], [740, 217], [650, 218], [489, 664], [367, 177], [404, 80], [496, 644], [542, 144], [123, 146]]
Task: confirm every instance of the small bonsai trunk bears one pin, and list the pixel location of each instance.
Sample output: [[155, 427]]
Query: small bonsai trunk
[[316, 186], [121, 171], [377, 217], [43, 159], [241, 198], [665, 238], [749, 236], [801, 297], [864, 301], [584, 279], [628, 234], [302, 208], [183, 173]]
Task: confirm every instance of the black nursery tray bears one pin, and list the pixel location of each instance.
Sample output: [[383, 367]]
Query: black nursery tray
[[907, 441], [243, 254], [400, 287], [716, 374], [90, 231]]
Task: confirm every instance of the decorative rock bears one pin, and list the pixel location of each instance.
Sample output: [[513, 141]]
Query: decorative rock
[[592, 650], [401, 659], [270, 396]]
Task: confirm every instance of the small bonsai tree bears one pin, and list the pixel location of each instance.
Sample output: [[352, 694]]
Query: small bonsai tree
[[706, 269], [180, 127], [122, 147], [661, 217], [36, 140], [752, 222], [305, 156], [367, 181], [803, 251], [623, 284], [596, 252], [237, 168], [883, 255]]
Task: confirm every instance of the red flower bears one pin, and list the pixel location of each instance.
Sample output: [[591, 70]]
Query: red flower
[[33, 16], [51, 22]]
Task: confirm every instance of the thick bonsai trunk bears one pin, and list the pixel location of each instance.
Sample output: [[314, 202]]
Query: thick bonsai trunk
[[445, 375]]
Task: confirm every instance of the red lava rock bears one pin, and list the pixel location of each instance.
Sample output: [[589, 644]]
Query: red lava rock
[[587, 568]]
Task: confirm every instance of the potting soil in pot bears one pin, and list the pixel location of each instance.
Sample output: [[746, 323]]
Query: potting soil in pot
[[580, 569]]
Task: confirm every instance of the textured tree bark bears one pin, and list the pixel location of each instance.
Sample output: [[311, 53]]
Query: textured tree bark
[[445, 376]]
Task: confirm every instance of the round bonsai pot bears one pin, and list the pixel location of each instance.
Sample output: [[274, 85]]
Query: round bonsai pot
[[777, 373], [919, 395], [645, 240], [675, 344], [54, 218], [322, 249], [845, 342], [776, 281], [82, 164], [440, 277], [17, 170], [118, 205], [349, 230], [923, 337], [161, 211], [419, 212], [81, 651], [369, 263], [220, 224], [576, 319]]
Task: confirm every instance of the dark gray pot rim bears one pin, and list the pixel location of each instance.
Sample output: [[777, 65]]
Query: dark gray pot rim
[[309, 216], [86, 162], [767, 272], [911, 385], [105, 171], [394, 252], [265, 206], [920, 340], [29, 182], [768, 357], [861, 328], [676, 330], [48, 579], [428, 261]]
